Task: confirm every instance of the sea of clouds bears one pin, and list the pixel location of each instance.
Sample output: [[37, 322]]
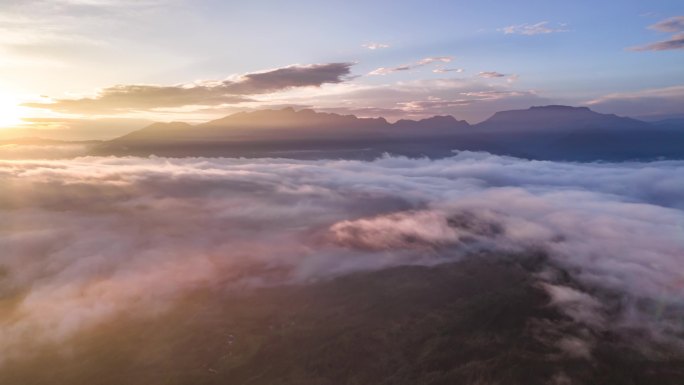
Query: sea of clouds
[[84, 240]]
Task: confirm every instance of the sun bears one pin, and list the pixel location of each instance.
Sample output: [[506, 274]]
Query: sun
[[10, 111]]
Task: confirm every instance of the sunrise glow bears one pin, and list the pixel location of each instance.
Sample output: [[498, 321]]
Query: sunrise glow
[[307, 192]]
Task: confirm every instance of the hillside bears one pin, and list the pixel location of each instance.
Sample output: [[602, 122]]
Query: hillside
[[467, 322]]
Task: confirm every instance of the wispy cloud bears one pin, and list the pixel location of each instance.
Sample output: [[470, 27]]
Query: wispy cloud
[[374, 46], [471, 98], [491, 74], [433, 104], [657, 101], [673, 25], [446, 70], [543, 27], [408, 67], [675, 42], [513, 78], [510, 78], [495, 94], [435, 59]]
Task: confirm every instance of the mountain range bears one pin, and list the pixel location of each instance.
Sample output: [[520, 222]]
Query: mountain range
[[548, 133]]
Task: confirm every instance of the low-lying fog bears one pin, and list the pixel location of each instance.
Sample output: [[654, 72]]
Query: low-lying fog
[[85, 240]]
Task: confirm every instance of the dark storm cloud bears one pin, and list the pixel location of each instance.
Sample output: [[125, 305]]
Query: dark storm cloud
[[86, 239], [132, 97]]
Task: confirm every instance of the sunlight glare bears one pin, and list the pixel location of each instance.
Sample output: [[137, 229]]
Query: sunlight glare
[[10, 111]]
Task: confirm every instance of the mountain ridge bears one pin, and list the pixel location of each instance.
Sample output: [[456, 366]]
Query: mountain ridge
[[553, 132], [239, 118]]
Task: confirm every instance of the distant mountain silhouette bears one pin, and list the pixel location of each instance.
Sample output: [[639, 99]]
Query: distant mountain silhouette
[[548, 132], [435, 124], [580, 134], [557, 119]]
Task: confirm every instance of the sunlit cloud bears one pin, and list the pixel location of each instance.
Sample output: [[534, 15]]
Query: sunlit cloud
[[123, 98], [74, 128]]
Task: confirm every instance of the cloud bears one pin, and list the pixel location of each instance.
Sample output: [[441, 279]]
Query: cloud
[[110, 3], [542, 27], [70, 129], [580, 306], [87, 239], [512, 78], [494, 95], [43, 34], [42, 151], [657, 101], [447, 70], [435, 59], [374, 46], [675, 42], [389, 70], [491, 74], [126, 98], [472, 98], [433, 104], [673, 24], [313, 75], [408, 67]]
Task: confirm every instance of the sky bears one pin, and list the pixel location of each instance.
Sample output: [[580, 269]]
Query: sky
[[95, 69]]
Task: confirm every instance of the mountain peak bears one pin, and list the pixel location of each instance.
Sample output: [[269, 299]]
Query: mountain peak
[[540, 132], [559, 107], [435, 122], [168, 126], [440, 118], [556, 118], [554, 111]]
